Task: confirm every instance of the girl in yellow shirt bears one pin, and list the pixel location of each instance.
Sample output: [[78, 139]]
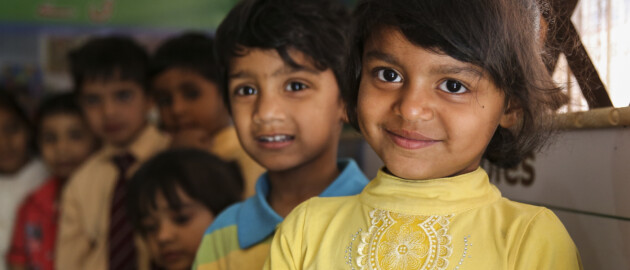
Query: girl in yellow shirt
[[435, 86]]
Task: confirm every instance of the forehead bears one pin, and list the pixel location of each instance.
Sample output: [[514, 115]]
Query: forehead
[[269, 61], [61, 120], [388, 44], [108, 86]]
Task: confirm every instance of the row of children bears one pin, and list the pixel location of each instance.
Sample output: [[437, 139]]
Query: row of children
[[95, 138], [434, 87]]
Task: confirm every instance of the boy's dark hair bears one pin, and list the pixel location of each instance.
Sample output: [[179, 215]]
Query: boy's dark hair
[[65, 103], [191, 51], [107, 58], [500, 36], [317, 28], [202, 176]]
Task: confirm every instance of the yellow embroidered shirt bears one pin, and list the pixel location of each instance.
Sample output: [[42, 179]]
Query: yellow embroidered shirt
[[450, 223]]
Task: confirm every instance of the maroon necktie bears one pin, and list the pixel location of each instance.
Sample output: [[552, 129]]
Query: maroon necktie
[[122, 249]]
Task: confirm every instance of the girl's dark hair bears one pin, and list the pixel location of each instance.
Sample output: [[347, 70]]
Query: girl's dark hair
[[317, 28], [9, 102], [202, 176], [500, 36], [192, 51], [107, 58]]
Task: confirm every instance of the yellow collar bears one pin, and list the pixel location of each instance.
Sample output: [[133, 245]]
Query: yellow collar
[[441, 196]]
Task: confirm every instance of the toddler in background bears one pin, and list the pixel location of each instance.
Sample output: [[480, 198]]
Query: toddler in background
[[65, 141], [175, 196], [435, 87], [20, 171]]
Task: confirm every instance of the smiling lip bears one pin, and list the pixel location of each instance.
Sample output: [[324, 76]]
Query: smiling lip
[[275, 141], [409, 139]]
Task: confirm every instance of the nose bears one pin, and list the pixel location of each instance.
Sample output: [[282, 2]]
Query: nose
[[109, 108], [178, 106], [268, 108], [416, 103], [165, 232]]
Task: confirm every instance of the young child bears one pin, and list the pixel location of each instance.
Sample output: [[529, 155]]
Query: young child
[[20, 171], [175, 196], [184, 83], [65, 141], [282, 62], [110, 75], [436, 85]]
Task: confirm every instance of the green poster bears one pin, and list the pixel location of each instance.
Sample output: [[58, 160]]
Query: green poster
[[198, 14]]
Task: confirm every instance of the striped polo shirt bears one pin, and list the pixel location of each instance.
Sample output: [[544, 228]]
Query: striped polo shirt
[[240, 237]]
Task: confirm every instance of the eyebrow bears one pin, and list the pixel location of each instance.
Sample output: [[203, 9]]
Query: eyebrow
[[382, 56], [445, 69], [466, 70], [284, 70]]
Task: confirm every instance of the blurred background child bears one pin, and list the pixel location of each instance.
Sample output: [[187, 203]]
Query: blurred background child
[[110, 77], [20, 172], [65, 141], [175, 196], [184, 79]]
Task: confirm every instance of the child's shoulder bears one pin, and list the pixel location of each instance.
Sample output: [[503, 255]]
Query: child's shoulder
[[324, 208], [529, 217], [226, 218]]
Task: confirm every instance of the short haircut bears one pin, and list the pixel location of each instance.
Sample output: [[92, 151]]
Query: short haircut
[[202, 176], [500, 36], [192, 51], [109, 58], [317, 28], [56, 104]]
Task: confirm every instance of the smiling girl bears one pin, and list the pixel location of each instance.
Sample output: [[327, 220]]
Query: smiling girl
[[436, 87]]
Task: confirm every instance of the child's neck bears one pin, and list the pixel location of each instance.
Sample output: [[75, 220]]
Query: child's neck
[[292, 187]]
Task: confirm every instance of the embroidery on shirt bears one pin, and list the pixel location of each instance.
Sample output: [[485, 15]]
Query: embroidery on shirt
[[350, 249], [466, 252], [397, 241]]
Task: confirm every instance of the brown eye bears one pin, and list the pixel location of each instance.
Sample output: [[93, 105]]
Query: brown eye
[[388, 75], [453, 86], [295, 86]]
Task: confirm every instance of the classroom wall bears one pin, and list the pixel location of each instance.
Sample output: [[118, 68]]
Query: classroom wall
[[584, 177]]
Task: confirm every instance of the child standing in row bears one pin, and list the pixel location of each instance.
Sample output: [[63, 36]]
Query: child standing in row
[[175, 196], [20, 171], [65, 141], [437, 85], [281, 63], [110, 76], [184, 82]]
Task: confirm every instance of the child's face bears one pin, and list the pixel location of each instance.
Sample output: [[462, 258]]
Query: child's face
[[174, 235], [66, 142], [285, 117], [188, 101], [13, 143], [426, 115], [115, 109]]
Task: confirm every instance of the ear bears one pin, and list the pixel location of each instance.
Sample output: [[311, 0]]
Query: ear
[[510, 115], [344, 112]]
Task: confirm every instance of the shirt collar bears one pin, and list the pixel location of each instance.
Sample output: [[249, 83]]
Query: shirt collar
[[142, 147], [256, 220], [430, 197]]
